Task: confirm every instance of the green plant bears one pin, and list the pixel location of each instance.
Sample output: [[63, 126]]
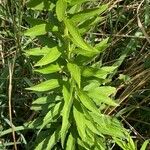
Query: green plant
[[75, 91]]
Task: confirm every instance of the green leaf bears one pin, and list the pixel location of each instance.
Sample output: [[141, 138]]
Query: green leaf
[[75, 2], [79, 119], [53, 112], [40, 5], [49, 57], [40, 29], [145, 144], [34, 21], [87, 102], [97, 72], [77, 39], [84, 27], [101, 95], [75, 72], [70, 143], [61, 6], [41, 100], [45, 86], [53, 139], [49, 142], [126, 143], [37, 51], [100, 143], [91, 125], [68, 101], [88, 13], [108, 125], [92, 85], [102, 45], [36, 30], [83, 145], [49, 69]]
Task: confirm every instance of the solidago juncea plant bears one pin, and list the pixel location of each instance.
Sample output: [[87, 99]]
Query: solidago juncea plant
[[75, 90]]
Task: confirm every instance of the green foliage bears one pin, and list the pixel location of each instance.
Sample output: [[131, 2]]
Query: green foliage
[[76, 118], [77, 87]]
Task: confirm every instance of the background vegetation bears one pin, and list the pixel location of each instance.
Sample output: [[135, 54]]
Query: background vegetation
[[125, 22]]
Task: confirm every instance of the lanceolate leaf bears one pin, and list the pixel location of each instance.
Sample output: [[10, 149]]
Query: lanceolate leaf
[[102, 45], [90, 23], [70, 143], [87, 14], [49, 142], [68, 101], [53, 112], [79, 119], [75, 2], [40, 5], [45, 86], [49, 69], [41, 100], [49, 57], [97, 72], [109, 126], [75, 72], [77, 39], [53, 139], [101, 95], [87, 102], [145, 144], [91, 125], [61, 6], [37, 51], [40, 29], [35, 21], [125, 144], [36, 30]]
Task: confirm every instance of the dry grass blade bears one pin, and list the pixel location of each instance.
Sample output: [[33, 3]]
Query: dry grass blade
[[140, 23]]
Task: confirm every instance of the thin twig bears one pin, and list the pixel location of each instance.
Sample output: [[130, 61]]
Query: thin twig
[[132, 128], [121, 35], [11, 67]]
